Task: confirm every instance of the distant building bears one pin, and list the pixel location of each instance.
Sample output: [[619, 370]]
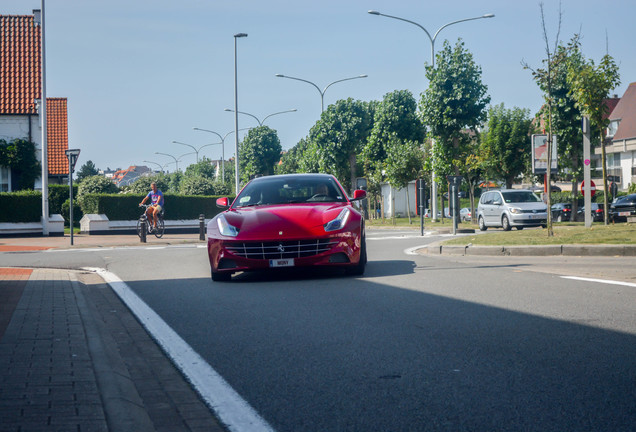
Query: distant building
[[126, 177], [621, 140], [20, 89]]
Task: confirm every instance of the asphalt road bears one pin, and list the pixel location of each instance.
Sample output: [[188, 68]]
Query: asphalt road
[[419, 343]]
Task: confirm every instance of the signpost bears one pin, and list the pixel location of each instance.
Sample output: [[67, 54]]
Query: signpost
[[453, 198], [72, 155], [587, 176]]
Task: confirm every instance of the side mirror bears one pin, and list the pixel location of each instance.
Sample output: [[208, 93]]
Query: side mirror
[[359, 194], [222, 202]]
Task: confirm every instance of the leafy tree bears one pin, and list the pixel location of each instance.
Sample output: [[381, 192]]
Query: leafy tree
[[591, 85], [504, 145], [259, 152], [339, 137], [395, 121], [19, 155], [96, 184], [455, 100], [197, 185], [403, 163], [142, 184], [87, 170], [203, 168]]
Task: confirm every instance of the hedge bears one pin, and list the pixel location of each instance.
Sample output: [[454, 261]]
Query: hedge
[[126, 206], [26, 206]]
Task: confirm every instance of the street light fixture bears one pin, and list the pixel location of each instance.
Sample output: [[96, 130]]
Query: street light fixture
[[194, 148], [71, 155], [176, 160], [260, 123], [222, 138], [236, 128], [322, 92], [432, 40], [158, 164]]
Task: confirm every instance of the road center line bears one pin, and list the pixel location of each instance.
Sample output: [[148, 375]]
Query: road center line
[[227, 404], [605, 281]]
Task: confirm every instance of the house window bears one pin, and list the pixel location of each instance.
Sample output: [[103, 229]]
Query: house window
[[5, 179], [612, 128]]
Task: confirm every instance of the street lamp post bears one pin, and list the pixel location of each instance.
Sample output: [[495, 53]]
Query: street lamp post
[[71, 155], [260, 123], [158, 164], [432, 40], [176, 160], [222, 138], [322, 92], [236, 128], [194, 148], [38, 19]]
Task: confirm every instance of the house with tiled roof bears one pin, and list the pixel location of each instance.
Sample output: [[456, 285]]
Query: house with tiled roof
[[20, 90], [621, 147]]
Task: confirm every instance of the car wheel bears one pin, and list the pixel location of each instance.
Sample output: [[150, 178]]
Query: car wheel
[[358, 269], [505, 223], [482, 224], [221, 277], [519, 228]]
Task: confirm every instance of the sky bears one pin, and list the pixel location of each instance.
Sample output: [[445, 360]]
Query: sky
[[141, 74]]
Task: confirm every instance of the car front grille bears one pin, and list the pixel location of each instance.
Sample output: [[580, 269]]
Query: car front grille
[[282, 249], [533, 211]]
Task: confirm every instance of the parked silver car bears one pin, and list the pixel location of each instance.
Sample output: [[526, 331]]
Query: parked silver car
[[509, 208]]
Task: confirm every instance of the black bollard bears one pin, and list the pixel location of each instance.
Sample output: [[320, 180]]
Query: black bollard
[[144, 229], [202, 227]]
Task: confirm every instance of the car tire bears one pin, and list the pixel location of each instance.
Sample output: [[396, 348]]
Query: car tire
[[482, 224], [519, 228], [358, 269], [505, 223], [221, 277]]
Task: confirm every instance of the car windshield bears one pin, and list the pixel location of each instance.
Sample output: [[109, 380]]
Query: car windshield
[[520, 197], [290, 190]]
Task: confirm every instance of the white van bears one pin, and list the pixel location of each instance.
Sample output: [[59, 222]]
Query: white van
[[509, 208]]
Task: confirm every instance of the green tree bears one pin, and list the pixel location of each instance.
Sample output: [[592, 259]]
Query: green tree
[[395, 121], [96, 184], [505, 143], [197, 185], [142, 184], [203, 168], [403, 163], [590, 86], [87, 170], [454, 101], [259, 152], [339, 136], [19, 155]]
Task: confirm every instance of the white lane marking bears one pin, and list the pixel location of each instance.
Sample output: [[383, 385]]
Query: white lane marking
[[150, 248], [605, 281], [413, 250], [401, 237], [228, 405]]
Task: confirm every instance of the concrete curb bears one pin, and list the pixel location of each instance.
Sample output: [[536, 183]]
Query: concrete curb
[[542, 250]]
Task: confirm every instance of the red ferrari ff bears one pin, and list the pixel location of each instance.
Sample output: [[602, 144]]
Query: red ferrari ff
[[282, 221]]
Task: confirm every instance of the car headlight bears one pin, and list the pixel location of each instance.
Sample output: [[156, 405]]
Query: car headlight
[[339, 222], [225, 228], [515, 210]]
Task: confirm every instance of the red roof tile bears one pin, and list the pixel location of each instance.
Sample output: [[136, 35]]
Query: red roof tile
[[20, 67], [625, 111], [57, 135]]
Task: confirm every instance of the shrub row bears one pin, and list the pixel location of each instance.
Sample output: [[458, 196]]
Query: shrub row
[[26, 206]]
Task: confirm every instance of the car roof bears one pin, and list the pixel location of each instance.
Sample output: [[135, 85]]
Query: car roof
[[298, 175]]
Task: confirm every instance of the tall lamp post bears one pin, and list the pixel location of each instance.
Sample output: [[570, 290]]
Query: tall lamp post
[[176, 160], [194, 148], [222, 138], [432, 40], [322, 92], [38, 19], [236, 128], [158, 164], [71, 155], [260, 123]]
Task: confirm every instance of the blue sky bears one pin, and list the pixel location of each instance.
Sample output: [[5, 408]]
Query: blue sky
[[141, 74]]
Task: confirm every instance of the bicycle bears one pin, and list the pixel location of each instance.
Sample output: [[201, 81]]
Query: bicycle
[[144, 222]]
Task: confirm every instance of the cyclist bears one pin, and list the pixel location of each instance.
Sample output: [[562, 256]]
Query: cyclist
[[156, 198]]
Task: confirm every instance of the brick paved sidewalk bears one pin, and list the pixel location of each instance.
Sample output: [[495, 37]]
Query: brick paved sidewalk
[[73, 358]]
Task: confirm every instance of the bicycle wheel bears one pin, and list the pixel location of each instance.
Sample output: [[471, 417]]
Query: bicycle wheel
[[160, 228]]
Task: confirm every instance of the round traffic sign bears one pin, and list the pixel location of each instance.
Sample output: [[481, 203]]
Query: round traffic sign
[[592, 187]]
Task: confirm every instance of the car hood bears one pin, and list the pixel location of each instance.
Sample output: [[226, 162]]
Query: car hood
[[539, 206], [289, 221]]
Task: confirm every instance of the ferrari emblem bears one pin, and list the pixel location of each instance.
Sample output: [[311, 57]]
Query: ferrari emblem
[[281, 249], [280, 233]]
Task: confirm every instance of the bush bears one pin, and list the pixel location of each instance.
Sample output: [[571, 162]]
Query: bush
[[197, 185], [142, 185], [77, 212], [22, 206], [57, 195], [96, 184]]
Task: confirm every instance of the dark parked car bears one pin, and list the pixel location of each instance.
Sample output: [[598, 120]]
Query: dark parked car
[[597, 213], [623, 207], [561, 211]]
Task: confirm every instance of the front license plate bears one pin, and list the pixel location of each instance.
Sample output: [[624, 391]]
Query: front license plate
[[281, 262], [623, 213]]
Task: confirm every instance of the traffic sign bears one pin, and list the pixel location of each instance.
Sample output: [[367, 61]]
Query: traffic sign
[[592, 188]]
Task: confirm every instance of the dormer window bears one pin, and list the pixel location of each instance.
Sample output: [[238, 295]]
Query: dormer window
[[612, 128]]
